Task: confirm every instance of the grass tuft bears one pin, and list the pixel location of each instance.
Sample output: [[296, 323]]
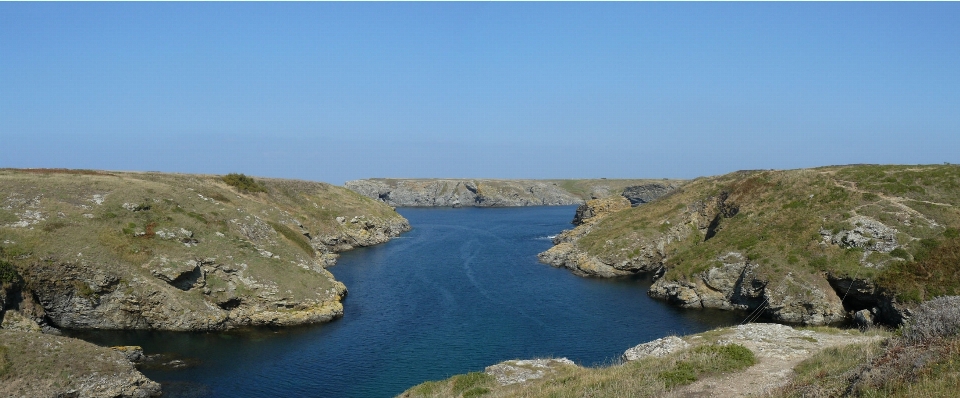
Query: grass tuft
[[298, 239]]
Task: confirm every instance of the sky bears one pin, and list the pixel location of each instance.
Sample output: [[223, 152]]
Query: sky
[[340, 91]]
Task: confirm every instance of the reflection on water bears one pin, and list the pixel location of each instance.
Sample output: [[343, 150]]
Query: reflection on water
[[463, 290]]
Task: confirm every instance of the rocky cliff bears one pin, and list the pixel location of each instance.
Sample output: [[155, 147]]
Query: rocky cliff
[[499, 193], [107, 250], [800, 246]]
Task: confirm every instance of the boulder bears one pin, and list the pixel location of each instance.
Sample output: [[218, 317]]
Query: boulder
[[657, 348], [521, 370]]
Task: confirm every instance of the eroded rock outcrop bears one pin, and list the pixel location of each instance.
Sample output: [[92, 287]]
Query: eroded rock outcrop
[[645, 193]]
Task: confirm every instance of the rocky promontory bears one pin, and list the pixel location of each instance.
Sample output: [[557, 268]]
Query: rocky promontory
[[504, 193], [109, 250], [41, 365], [815, 246], [83, 249]]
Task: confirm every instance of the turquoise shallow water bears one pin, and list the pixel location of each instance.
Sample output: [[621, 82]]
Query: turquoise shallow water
[[461, 291]]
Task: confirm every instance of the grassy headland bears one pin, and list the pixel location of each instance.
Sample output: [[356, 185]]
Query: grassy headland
[[180, 252], [773, 239]]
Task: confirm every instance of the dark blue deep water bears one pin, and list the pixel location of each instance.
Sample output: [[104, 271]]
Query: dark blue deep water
[[461, 291]]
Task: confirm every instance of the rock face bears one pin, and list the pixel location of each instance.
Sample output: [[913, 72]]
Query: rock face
[[868, 303], [735, 285], [598, 208], [502, 193], [640, 194]]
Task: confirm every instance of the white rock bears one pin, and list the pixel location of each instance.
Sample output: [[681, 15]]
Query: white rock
[[521, 370], [657, 348]]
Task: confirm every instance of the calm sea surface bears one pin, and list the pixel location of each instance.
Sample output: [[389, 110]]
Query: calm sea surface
[[463, 290]]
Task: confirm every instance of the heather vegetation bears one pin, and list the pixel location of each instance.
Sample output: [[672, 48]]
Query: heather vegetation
[[923, 361]]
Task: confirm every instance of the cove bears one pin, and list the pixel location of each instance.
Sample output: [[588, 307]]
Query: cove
[[461, 291]]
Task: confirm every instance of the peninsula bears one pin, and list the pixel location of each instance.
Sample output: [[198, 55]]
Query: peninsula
[[82, 249]]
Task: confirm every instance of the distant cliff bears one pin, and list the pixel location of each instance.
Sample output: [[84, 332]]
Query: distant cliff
[[505, 193]]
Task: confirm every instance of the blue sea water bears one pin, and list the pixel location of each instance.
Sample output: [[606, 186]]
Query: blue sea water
[[461, 291]]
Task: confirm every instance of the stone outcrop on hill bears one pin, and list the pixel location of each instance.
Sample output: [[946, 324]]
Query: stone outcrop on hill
[[640, 194], [505, 193]]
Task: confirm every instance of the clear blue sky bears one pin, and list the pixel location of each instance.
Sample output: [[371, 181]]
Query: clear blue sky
[[339, 91]]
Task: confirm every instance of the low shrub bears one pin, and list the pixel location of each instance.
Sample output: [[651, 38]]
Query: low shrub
[[900, 253], [936, 318], [933, 273], [470, 381], [4, 362], [8, 273], [243, 183]]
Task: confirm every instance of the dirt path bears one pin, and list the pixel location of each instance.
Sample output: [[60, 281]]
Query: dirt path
[[896, 201], [778, 349]]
